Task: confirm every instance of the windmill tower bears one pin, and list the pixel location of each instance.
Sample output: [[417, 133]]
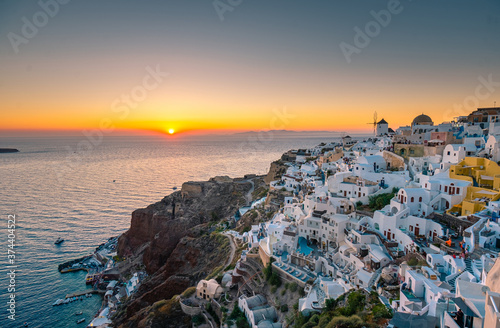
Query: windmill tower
[[374, 123]]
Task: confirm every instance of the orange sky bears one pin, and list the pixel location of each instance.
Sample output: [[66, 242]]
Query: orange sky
[[240, 74]]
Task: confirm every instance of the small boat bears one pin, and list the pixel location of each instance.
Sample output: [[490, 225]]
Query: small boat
[[58, 241], [81, 320], [79, 313], [174, 188]]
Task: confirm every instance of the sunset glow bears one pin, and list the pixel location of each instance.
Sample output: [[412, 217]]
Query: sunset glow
[[235, 75]]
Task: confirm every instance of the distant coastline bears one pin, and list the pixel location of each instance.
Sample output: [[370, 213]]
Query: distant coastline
[[9, 150]]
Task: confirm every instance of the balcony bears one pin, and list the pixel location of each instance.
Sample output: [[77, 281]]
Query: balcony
[[450, 321]]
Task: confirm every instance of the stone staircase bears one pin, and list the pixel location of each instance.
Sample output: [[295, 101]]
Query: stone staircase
[[468, 265], [452, 282], [374, 278]]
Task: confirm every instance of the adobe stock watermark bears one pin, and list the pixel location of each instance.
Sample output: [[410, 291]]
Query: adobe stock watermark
[[12, 266], [122, 105], [31, 27], [486, 87], [223, 6], [372, 29]]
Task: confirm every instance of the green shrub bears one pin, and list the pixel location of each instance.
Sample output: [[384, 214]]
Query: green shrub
[[346, 322], [412, 262], [188, 292], [309, 324], [330, 304], [355, 303], [214, 315], [380, 201], [284, 308], [198, 319], [381, 311], [242, 322], [236, 312], [324, 320], [293, 287], [314, 319], [275, 279]]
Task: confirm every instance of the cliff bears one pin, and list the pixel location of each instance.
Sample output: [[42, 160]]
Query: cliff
[[172, 239], [156, 230], [191, 260], [277, 169]]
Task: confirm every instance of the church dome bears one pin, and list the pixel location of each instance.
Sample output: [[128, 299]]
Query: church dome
[[422, 119]]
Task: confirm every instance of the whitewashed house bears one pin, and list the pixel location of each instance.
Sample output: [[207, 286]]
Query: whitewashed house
[[258, 312], [455, 153], [493, 147]]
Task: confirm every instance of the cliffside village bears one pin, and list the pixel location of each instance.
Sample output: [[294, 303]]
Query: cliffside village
[[428, 251]]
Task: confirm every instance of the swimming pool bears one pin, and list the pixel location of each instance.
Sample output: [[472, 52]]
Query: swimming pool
[[303, 248]]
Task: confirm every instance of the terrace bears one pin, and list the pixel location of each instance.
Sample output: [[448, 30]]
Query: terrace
[[302, 274], [464, 317]]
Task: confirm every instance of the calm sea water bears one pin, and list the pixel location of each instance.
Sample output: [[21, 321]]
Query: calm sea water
[[88, 197]]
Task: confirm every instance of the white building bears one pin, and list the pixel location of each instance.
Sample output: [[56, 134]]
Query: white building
[[493, 147], [455, 153], [258, 313], [382, 128], [208, 289]]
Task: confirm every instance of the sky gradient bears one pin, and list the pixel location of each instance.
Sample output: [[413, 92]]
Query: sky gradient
[[243, 72]]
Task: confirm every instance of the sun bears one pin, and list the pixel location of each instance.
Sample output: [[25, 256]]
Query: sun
[[171, 131]]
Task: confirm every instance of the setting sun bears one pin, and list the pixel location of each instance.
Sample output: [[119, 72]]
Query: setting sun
[[171, 131]]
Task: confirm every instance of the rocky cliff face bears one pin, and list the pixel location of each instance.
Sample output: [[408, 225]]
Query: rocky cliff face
[[277, 169], [191, 260], [173, 240], [156, 230]]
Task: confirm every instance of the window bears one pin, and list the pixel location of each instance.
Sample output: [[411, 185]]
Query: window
[[420, 199], [448, 153], [445, 188], [412, 199]]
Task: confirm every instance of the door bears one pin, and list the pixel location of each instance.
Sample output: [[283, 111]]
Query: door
[[417, 231]]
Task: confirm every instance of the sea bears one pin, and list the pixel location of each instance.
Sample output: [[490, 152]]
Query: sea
[[84, 190]]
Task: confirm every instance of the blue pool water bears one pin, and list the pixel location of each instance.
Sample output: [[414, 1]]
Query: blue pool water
[[303, 248], [284, 256]]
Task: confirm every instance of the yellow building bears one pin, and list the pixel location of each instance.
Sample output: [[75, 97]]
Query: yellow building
[[485, 178]]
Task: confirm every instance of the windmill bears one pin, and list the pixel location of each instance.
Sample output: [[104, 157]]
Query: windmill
[[374, 124]]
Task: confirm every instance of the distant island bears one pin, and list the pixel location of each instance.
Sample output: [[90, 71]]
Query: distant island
[[9, 150], [288, 132]]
